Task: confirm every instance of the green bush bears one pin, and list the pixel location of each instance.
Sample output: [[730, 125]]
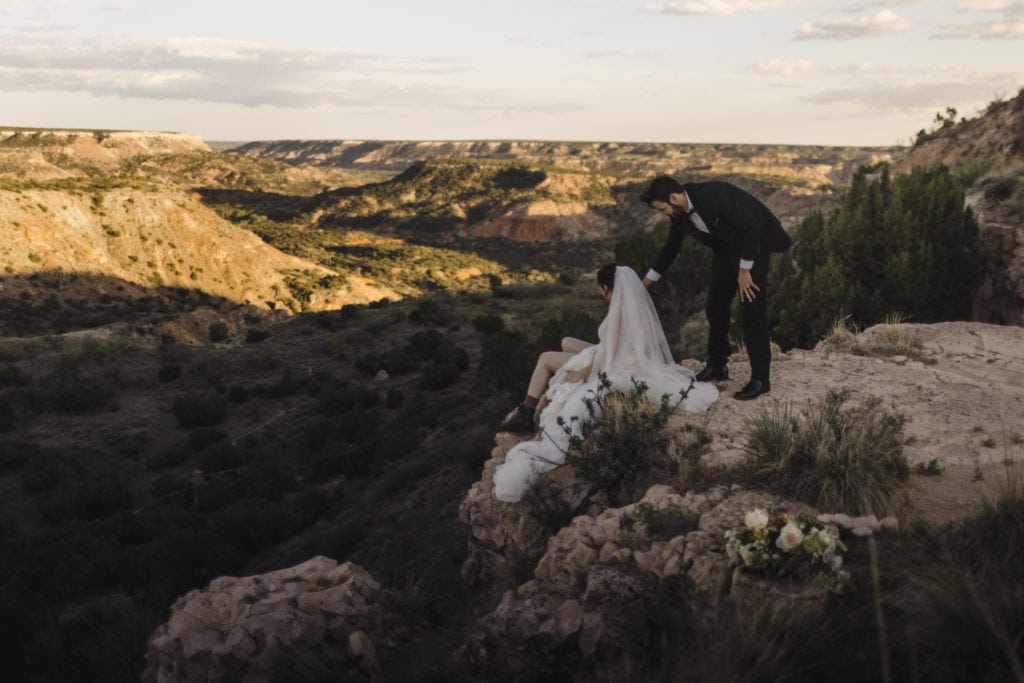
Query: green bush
[[168, 373], [201, 437], [199, 410], [905, 244], [439, 376], [218, 332], [625, 443], [834, 459], [95, 496], [256, 335], [488, 324]]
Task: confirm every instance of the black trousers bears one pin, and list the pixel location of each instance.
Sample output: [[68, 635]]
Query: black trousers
[[725, 266]]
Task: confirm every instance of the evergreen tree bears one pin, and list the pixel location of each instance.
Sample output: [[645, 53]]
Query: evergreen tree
[[903, 245]]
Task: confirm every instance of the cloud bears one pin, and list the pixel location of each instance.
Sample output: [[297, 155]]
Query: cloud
[[982, 5], [624, 52], [882, 22], [217, 70], [908, 95], [715, 7], [1009, 26], [1001, 30]]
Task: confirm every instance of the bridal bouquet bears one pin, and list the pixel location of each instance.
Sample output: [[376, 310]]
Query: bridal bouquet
[[776, 543]]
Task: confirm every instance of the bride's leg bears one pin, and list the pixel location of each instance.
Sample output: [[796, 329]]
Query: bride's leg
[[547, 365], [574, 345]]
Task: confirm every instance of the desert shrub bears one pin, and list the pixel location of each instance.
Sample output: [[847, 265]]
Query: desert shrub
[[201, 437], [170, 455], [255, 335], [13, 376], [395, 398], [341, 397], [221, 456], [335, 459], [15, 454], [488, 324], [165, 485], [82, 394], [19, 404], [430, 312], [893, 338], [842, 460], [46, 469], [569, 323], [199, 410], [238, 393], [168, 373], [94, 496], [623, 436], [439, 376], [218, 332]]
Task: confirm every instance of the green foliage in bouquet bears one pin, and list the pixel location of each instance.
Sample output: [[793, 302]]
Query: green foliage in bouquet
[[775, 543]]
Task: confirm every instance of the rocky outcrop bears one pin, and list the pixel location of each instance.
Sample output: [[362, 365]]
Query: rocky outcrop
[[603, 572], [151, 235], [547, 221], [316, 621], [506, 540], [802, 164]]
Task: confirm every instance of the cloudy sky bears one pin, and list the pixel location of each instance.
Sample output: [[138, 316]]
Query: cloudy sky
[[753, 71]]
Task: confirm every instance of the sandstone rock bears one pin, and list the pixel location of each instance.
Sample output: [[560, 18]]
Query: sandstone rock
[[271, 627]]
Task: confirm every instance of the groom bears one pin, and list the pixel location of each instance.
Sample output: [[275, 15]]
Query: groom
[[742, 233]]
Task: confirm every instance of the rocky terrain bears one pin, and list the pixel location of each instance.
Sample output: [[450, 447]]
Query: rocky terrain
[[809, 166], [112, 215], [963, 399]]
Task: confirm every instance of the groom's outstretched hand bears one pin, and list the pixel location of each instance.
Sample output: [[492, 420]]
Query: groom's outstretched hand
[[747, 286]]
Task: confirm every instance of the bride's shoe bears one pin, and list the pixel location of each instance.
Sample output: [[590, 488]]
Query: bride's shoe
[[519, 420]]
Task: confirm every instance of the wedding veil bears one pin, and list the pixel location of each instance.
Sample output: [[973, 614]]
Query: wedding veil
[[632, 346]]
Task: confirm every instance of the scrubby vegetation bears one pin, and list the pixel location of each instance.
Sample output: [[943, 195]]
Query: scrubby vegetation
[[833, 458], [905, 245], [170, 465]]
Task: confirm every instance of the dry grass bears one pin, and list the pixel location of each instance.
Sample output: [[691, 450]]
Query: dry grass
[[837, 459]]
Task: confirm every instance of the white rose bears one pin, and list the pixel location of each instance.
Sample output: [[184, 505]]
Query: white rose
[[756, 519], [748, 555], [790, 537]]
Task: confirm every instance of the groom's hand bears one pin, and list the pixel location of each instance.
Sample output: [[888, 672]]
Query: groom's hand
[[647, 282], [747, 286]]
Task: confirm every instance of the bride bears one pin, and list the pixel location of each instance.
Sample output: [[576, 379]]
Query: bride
[[631, 346]]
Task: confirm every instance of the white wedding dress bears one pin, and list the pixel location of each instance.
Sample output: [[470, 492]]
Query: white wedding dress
[[631, 346]]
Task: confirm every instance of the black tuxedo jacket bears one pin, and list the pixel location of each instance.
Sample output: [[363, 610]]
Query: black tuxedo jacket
[[733, 217]]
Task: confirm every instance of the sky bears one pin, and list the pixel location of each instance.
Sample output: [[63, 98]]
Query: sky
[[869, 73]]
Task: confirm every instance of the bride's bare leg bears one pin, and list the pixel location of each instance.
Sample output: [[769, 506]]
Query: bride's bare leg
[[574, 345], [547, 365]]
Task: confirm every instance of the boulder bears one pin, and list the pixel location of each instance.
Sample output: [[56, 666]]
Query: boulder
[[318, 620]]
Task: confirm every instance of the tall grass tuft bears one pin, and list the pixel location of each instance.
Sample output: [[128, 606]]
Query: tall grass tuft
[[836, 459], [890, 338]]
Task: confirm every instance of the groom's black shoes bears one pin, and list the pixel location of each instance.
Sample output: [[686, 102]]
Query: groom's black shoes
[[713, 373], [754, 388], [519, 420]]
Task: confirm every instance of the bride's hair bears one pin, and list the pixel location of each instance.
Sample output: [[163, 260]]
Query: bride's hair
[[606, 275]]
